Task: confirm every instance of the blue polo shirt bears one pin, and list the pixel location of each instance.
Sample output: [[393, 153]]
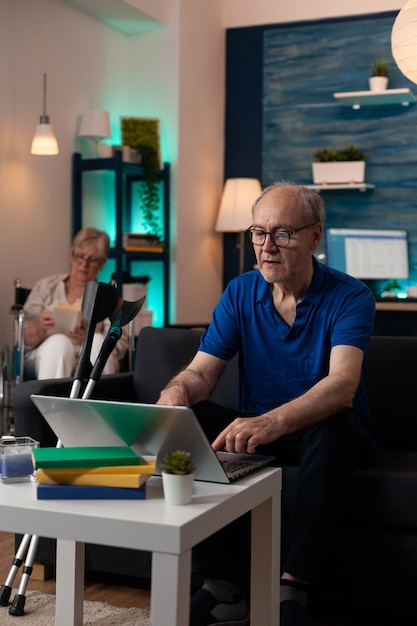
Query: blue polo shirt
[[278, 363]]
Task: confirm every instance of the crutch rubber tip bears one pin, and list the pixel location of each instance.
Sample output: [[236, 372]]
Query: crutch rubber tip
[[18, 605], [5, 593]]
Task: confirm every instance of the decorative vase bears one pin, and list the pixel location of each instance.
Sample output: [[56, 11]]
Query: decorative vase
[[178, 489], [378, 83]]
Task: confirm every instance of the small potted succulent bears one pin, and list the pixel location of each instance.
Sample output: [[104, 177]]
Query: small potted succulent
[[178, 477], [333, 165], [378, 80]]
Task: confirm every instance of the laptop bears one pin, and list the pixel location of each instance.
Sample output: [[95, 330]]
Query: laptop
[[149, 429]]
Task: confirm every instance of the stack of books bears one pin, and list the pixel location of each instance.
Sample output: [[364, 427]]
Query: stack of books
[[142, 242], [95, 473]]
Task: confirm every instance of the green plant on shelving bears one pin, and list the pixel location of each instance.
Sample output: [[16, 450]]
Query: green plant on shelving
[[149, 187], [350, 153], [149, 191], [379, 68]]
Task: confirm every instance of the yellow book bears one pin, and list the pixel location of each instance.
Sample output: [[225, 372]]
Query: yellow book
[[110, 480], [112, 476], [144, 248], [105, 480]]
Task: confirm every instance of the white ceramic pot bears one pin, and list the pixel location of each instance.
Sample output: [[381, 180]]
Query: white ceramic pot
[[178, 490], [338, 172], [378, 83]]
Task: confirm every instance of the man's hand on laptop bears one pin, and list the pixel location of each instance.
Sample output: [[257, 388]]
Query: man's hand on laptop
[[244, 434]]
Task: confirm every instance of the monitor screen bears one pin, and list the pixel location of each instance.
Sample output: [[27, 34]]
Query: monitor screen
[[368, 254]]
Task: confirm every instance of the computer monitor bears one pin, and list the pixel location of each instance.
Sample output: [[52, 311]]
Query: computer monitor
[[368, 254]]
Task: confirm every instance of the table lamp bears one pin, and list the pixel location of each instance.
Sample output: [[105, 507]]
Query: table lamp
[[95, 125], [235, 210]]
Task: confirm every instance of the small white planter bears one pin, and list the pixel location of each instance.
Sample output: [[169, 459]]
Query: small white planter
[[378, 83], [178, 490], [338, 172]]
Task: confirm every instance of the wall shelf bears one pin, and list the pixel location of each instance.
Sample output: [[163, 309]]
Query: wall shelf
[[356, 99], [343, 186]]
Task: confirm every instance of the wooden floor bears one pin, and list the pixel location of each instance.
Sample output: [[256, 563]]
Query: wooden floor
[[131, 592], [120, 592]]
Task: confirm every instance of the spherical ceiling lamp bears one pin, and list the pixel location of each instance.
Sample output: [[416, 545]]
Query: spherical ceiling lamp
[[404, 40]]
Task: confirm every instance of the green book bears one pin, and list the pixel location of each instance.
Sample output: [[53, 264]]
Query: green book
[[84, 457]]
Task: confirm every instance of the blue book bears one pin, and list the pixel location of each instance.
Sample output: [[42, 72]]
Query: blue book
[[89, 492]]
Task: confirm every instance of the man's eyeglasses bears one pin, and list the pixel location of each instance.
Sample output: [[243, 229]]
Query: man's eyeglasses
[[280, 238], [89, 260]]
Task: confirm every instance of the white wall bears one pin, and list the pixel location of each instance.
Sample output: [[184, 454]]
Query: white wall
[[35, 198], [90, 65], [180, 70], [187, 93], [200, 159], [249, 13]]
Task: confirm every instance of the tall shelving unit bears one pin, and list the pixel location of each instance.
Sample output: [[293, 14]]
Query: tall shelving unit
[[125, 175]]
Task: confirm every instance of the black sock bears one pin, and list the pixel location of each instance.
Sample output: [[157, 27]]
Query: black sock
[[223, 590], [294, 590]]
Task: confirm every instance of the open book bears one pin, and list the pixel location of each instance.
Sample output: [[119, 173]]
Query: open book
[[66, 317]]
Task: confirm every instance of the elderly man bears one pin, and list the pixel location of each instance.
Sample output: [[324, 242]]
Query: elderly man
[[301, 330]]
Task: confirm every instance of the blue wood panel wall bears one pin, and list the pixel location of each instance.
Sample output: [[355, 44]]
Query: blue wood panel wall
[[289, 76], [303, 65]]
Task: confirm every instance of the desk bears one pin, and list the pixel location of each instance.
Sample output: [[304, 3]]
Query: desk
[[396, 305], [396, 317], [168, 532]]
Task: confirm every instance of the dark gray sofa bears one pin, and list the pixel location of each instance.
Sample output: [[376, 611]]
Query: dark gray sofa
[[372, 567]]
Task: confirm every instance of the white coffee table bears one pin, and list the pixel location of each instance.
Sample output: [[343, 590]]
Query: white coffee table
[[169, 532]]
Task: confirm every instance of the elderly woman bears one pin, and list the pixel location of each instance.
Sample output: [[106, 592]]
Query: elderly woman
[[50, 353]]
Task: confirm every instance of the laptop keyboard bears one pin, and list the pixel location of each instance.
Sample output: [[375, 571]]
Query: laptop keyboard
[[234, 466], [237, 464]]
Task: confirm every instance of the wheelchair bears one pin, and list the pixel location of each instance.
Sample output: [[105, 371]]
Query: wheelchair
[[12, 370], [12, 362]]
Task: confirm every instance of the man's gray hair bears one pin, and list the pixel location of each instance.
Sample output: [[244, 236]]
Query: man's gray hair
[[314, 209]]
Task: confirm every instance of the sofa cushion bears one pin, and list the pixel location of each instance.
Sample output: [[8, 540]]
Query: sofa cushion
[[383, 496], [390, 385], [167, 351]]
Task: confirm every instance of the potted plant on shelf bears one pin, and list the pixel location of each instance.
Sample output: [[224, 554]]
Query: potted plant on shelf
[[142, 135], [178, 477], [332, 166], [378, 80]]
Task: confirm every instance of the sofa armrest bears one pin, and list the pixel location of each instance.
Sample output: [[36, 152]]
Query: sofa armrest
[[28, 421], [115, 387]]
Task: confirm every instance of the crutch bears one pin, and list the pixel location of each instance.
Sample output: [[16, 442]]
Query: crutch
[[100, 301]]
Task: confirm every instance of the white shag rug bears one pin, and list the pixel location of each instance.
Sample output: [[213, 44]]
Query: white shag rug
[[40, 609]]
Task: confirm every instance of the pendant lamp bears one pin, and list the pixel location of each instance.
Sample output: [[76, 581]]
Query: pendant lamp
[[404, 40], [44, 142]]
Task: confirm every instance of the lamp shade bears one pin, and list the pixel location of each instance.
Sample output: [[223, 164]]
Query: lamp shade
[[404, 40], [95, 123], [235, 206], [44, 142]]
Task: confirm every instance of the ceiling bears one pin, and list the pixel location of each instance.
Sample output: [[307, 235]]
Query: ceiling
[[122, 15]]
